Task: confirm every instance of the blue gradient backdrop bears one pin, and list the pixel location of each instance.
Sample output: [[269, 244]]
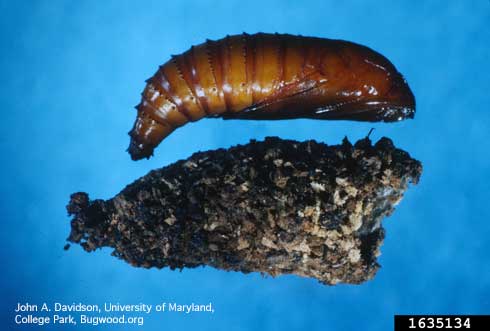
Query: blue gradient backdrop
[[71, 72]]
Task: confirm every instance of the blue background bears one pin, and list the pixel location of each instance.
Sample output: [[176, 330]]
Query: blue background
[[71, 72]]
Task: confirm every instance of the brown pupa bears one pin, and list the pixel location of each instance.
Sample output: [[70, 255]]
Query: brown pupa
[[269, 77]]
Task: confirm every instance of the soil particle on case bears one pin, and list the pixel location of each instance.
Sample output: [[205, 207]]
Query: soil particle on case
[[275, 207]]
